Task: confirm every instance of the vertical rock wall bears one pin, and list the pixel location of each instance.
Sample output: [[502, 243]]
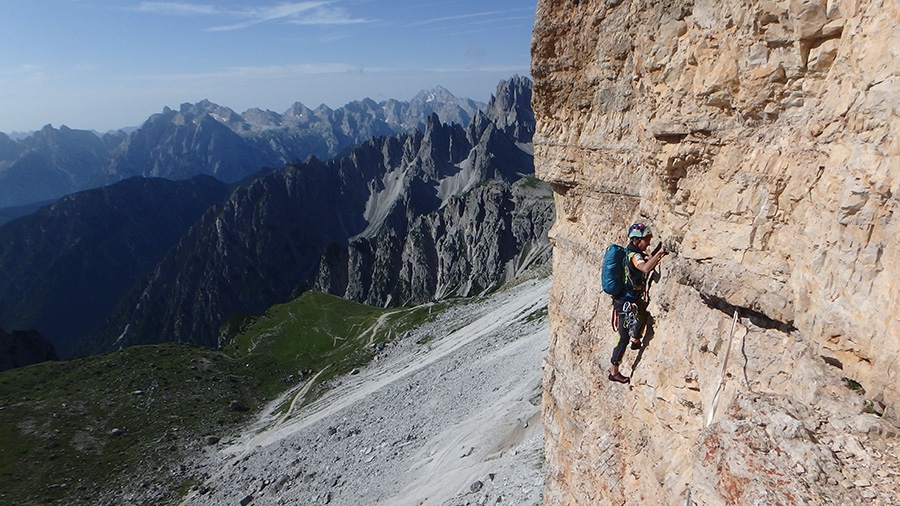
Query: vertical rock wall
[[760, 140]]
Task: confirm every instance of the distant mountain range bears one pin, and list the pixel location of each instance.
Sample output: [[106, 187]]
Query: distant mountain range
[[205, 138], [65, 267], [451, 210]]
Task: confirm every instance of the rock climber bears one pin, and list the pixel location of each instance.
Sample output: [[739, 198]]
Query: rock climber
[[630, 305]]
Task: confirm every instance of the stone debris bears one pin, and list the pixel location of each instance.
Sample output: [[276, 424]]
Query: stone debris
[[771, 449], [393, 433]]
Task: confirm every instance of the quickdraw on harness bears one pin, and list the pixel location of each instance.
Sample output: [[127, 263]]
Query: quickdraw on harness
[[629, 309]]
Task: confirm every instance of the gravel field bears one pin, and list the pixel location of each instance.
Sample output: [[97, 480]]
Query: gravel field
[[447, 415]]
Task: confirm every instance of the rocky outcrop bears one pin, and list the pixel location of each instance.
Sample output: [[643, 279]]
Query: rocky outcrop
[[510, 109], [473, 244], [759, 139], [480, 225], [20, 348]]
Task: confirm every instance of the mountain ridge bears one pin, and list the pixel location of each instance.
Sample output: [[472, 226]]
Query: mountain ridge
[[205, 138]]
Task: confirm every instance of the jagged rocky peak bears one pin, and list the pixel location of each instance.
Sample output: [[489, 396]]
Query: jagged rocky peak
[[510, 108], [297, 109], [298, 112], [366, 105], [437, 94], [247, 123], [323, 110], [195, 112], [49, 138], [261, 118], [44, 165], [443, 147], [450, 108], [758, 139]]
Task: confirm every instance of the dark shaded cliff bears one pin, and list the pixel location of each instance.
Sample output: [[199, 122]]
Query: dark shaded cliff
[[64, 268], [20, 348]]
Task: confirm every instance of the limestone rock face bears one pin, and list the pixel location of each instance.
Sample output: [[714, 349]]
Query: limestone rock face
[[760, 141]]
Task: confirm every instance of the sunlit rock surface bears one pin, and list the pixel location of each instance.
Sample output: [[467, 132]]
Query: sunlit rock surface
[[760, 141]]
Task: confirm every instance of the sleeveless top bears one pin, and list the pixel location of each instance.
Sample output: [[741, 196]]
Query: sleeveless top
[[637, 280]]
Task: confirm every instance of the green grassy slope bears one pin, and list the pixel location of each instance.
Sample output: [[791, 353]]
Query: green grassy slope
[[97, 429]]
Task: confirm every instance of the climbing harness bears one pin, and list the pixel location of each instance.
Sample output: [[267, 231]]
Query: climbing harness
[[629, 309], [631, 320]]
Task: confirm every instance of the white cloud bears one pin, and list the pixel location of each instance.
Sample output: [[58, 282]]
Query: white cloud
[[264, 72], [483, 69], [302, 13], [29, 68], [299, 69], [21, 77], [462, 16], [529, 19], [29, 74], [313, 12], [267, 73], [284, 10], [328, 17], [177, 8]]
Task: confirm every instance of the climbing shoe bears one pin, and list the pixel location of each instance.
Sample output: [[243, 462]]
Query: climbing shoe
[[618, 378]]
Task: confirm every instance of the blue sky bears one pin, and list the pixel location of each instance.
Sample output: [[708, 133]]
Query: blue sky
[[105, 64]]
